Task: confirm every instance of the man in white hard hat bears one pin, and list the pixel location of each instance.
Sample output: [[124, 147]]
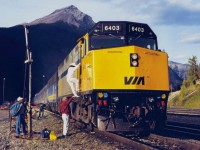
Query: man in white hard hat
[[73, 82]]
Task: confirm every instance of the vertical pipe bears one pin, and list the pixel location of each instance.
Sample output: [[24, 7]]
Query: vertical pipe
[[29, 62], [27, 48], [29, 102]]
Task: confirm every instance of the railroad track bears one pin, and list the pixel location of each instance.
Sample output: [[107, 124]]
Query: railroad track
[[184, 122], [152, 141], [176, 134], [183, 129], [155, 141]]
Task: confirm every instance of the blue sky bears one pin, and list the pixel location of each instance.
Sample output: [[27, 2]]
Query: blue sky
[[176, 22]]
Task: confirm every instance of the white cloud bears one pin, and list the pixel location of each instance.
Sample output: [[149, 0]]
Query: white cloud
[[187, 4], [168, 12], [191, 38], [180, 57]]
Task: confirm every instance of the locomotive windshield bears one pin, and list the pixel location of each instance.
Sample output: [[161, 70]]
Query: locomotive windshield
[[115, 34], [106, 41], [142, 42]]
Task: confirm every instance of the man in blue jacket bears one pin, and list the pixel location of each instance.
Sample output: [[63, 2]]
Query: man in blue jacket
[[20, 118], [41, 110]]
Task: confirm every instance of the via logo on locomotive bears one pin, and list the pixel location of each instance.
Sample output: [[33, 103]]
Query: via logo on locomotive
[[134, 80]]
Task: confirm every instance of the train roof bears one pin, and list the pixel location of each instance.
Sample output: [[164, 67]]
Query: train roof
[[121, 27]]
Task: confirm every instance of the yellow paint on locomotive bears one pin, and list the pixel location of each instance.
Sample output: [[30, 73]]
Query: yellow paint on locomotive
[[51, 97], [63, 87], [86, 83], [108, 68]]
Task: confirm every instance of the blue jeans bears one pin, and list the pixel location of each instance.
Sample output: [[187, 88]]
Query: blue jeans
[[41, 113], [20, 121]]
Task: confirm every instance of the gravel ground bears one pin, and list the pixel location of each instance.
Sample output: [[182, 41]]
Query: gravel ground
[[76, 140]]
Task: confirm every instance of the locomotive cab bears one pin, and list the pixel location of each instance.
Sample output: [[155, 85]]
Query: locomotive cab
[[126, 76]]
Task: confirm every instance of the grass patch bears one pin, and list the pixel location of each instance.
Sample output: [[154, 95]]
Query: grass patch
[[193, 102], [187, 98]]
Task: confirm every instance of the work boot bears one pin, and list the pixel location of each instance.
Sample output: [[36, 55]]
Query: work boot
[[23, 137], [17, 136], [63, 136]]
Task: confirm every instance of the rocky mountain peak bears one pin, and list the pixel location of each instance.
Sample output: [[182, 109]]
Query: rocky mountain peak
[[69, 10], [180, 69], [70, 15]]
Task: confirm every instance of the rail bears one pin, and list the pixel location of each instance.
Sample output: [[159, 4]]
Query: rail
[[153, 141]]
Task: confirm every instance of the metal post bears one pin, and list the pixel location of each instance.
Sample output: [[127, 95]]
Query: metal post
[[29, 62], [29, 102], [27, 48], [4, 80]]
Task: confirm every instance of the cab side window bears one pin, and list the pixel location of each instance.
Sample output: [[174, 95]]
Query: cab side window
[[84, 47]]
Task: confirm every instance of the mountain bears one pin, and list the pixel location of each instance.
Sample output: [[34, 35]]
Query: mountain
[[178, 72], [180, 69], [175, 80], [50, 40], [69, 15]]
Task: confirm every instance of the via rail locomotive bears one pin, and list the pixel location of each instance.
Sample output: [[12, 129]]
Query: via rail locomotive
[[123, 78]]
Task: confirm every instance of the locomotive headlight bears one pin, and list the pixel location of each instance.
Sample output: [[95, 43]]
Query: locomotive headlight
[[134, 60], [134, 56], [134, 63]]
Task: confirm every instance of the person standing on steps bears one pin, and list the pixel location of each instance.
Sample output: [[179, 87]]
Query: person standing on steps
[[73, 82]]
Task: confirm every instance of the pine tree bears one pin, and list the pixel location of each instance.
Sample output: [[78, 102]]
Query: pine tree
[[199, 71], [194, 70]]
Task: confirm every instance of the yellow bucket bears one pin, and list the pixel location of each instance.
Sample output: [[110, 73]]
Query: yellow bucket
[[52, 136]]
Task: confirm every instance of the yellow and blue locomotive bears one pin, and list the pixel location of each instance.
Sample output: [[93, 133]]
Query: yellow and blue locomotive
[[123, 78]]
